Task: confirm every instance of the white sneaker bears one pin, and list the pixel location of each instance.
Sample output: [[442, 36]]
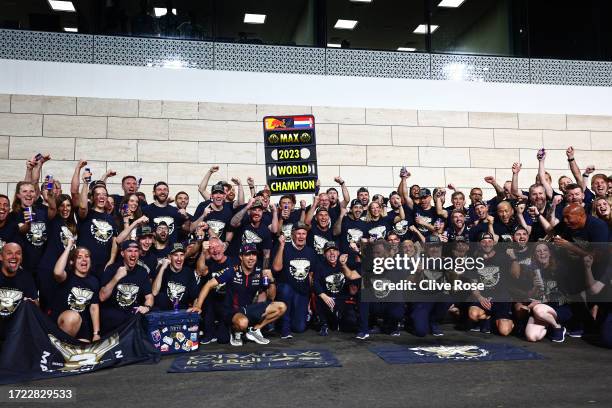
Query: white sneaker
[[236, 339], [256, 336]]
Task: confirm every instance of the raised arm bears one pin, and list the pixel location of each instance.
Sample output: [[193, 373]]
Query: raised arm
[[346, 197], [165, 262], [499, 191], [403, 189], [348, 272], [514, 189], [574, 167], [338, 224], [277, 264], [311, 210], [59, 271], [237, 218], [542, 174], [127, 231], [204, 183], [75, 182], [83, 203], [240, 192]]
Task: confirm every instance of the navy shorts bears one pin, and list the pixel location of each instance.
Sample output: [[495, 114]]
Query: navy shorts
[[254, 312]]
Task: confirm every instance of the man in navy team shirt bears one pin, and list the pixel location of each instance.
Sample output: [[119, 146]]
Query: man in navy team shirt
[[16, 284], [161, 210], [294, 264], [8, 227], [320, 231], [217, 213], [245, 282], [251, 229], [350, 228], [175, 283]]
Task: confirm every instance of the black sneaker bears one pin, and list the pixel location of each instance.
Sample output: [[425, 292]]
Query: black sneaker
[[436, 330], [324, 331], [485, 326], [208, 340], [362, 335], [558, 334]]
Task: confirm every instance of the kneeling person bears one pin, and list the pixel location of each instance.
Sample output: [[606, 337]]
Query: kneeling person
[[243, 283]]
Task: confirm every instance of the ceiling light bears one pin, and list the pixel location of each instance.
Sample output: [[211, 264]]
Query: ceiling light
[[422, 29], [162, 11], [345, 24], [71, 29], [451, 3], [333, 45], [406, 49], [361, 1], [254, 18], [61, 5]]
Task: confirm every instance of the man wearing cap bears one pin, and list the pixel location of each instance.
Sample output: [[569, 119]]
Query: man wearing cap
[[175, 285], [483, 221], [493, 303], [161, 242], [335, 204], [294, 264], [216, 212], [125, 289], [252, 229], [244, 282], [331, 288], [402, 227], [350, 228], [320, 231], [145, 238], [161, 210]]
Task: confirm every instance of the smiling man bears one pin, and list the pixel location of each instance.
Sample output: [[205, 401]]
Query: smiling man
[[175, 283], [161, 210]]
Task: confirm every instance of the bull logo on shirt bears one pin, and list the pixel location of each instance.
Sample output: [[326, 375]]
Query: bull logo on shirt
[[101, 230], [378, 232], [381, 293], [427, 220], [250, 237], [401, 227], [126, 294], [216, 226], [9, 301], [85, 357], [175, 291], [319, 244], [299, 269], [334, 282], [168, 220], [38, 233], [65, 235], [79, 298], [489, 276], [432, 275], [451, 352], [354, 235]]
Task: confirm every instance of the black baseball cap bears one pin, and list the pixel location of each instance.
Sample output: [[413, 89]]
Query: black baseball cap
[[477, 203], [161, 224], [355, 202], [424, 192], [330, 245], [257, 204], [434, 239], [130, 243], [298, 226], [321, 209], [485, 235], [248, 249], [144, 231], [217, 188], [177, 247]]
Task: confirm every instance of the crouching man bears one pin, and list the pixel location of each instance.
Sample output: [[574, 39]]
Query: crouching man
[[243, 283]]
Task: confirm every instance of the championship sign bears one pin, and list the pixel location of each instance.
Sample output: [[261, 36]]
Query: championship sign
[[291, 154]]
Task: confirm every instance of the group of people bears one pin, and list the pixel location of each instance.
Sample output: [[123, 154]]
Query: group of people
[[91, 260]]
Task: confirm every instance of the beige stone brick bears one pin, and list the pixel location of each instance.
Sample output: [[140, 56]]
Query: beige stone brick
[[215, 131], [327, 175], [468, 137], [155, 151], [12, 170], [149, 109], [423, 176], [601, 140], [367, 176], [328, 114], [341, 154], [493, 120], [4, 147], [417, 136], [4, 189], [26, 147], [601, 159], [84, 127], [150, 173], [444, 157], [227, 111], [261, 153], [493, 157], [526, 177], [516, 138], [281, 110], [561, 139], [326, 133], [405, 117], [137, 128], [365, 135], [107, 107], [20, 124], [179, 110], [443, 118], [555, 159], [61, 105], [473, 177], [589, 122], [187, 173], [391, 155], [5, 103], [242, 171], [214, 152], [106, 149], [63, 170], [542, 121]]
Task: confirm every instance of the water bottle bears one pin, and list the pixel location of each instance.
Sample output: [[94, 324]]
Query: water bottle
[[88, 178]]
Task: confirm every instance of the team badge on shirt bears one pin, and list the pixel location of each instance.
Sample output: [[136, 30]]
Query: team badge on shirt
[[319, 243], [401, 227], [217, 226], [126, 294], [489, 275], [38, 233], [9, 301], [354, 235], [65, 235], [378, 232], [79, 299], [175, 291], [299, 268], [101, 230], [334, 282], [250, 237], [286, 230]]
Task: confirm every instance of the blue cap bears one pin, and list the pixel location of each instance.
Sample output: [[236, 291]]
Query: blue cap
[[248, 248], [130, 243]]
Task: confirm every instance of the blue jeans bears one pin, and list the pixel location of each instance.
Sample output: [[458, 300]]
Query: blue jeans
[[294, 319], [214, 322], [425, 313], [391, 312]]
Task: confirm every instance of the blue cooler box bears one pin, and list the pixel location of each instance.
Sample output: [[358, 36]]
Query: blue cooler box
[[173, 332]]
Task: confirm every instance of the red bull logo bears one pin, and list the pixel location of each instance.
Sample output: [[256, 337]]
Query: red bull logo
[[273, 123]]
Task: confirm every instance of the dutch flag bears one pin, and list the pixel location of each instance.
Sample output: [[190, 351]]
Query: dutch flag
[[302, 122]]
